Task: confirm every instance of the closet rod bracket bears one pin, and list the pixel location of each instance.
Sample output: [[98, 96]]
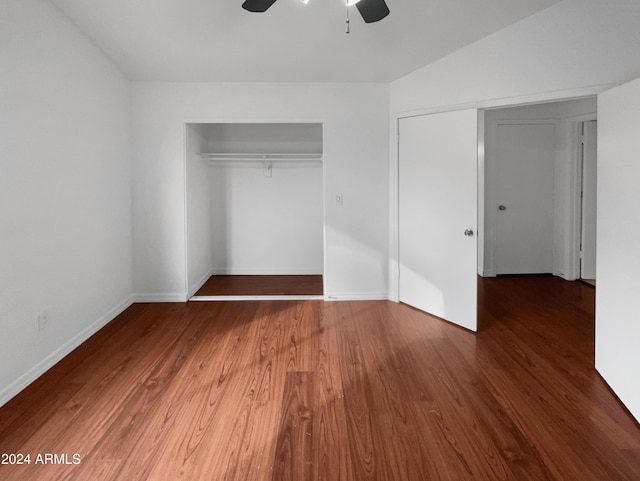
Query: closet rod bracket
[[267, 168]]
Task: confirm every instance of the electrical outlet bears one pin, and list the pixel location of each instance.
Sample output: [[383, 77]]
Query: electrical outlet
[[43, 320]]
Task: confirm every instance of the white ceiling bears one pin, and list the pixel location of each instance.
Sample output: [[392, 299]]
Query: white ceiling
[[217, 40]]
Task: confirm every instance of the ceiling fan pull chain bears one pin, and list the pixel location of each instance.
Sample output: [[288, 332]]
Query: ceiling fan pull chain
[[348, 29]]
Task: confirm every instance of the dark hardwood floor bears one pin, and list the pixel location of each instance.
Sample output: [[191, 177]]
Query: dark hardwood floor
[[312, 390], [263, 285]]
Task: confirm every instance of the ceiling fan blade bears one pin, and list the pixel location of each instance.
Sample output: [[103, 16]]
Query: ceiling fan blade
[[372, 10], [257, 5]]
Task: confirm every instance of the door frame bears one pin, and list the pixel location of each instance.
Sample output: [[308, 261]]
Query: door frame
[[576, 189], [481, 105], [190, 290]]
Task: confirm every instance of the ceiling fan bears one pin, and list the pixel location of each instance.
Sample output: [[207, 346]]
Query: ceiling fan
[[371, 10]]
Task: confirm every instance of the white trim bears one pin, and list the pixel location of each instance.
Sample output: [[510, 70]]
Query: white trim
[[47, 363], [394, 206], [575, 189], [252, 120], [345, 296], [357, 296], [481, 191], [324, 212], [257, 298], [167, 297], [201, 282], [185, 209], [239, 271], [539, 98]]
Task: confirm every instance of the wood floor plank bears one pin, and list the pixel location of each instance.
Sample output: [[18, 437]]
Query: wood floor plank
[[216, 411], [294, 448], [332, 391], [455, 410], [393, 419], [364, 443], [499, 441], [262, 285], [330, 441]]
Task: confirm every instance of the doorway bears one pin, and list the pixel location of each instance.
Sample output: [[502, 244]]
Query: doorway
[[588, 200], [532, 189], [417, 262], [255, 218]]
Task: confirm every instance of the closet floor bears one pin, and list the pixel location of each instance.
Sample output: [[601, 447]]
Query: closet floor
[[280, 285]]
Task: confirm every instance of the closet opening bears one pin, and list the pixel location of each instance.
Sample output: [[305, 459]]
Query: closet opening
[[255, 216]]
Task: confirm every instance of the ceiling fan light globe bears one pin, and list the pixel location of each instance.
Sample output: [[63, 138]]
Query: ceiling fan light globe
[[350, 3]]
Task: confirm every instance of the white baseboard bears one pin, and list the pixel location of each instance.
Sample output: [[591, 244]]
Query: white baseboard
[[357, 296], [565, 277], [168, 297], [218, 271], [488, 273], [47, 363], [258, 298], [201, 282], [334, 296]]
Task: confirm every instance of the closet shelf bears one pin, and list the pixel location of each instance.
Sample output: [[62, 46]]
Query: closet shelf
[[215, 158]]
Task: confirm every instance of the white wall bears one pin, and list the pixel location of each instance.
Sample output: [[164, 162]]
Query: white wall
[[576, 44], [266, 137], [355, 120], [198, 195], [267, 225], [566, 116], [65, 204], [618, 251]]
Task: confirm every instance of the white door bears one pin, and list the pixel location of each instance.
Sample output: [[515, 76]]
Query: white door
[[524, 173], [617, 331], [589, 187], [438, 210]]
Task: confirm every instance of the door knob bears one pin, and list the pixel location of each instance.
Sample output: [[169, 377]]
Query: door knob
[[468, 232], [502, 207]]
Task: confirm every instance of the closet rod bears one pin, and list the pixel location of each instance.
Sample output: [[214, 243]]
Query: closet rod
[[260, 157]]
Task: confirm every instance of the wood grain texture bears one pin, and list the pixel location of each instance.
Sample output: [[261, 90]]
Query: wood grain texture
[[333, 391], [262, 285]]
